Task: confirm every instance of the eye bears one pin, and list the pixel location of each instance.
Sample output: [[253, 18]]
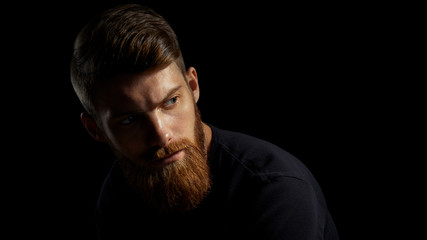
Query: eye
[[171, 101], [130, 119]]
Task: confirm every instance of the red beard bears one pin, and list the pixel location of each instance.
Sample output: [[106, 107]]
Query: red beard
[[179, 186]]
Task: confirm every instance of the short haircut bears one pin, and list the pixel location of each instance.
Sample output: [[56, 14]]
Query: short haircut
[[128, 38]]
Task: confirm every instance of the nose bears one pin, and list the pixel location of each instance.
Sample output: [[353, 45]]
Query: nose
[[161, 133]]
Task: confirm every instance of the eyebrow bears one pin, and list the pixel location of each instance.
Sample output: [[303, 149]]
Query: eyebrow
[[169, 95], [165, 99]]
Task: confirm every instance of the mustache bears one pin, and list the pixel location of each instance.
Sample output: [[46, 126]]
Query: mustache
[[168, 150]]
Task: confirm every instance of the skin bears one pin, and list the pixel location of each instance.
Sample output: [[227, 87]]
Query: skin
[[146, 111]]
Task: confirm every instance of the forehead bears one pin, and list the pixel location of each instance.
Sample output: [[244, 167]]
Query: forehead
[[142, 89]]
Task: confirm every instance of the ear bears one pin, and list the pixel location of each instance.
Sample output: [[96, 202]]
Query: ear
[[193, 82], [91, 127]]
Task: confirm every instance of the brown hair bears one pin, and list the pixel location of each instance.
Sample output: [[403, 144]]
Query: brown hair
[[125, 39]]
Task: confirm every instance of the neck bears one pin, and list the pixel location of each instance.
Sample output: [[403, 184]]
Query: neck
[[208, 136]]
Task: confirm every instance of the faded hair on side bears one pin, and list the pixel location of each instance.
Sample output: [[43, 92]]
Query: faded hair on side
[[128, 38]]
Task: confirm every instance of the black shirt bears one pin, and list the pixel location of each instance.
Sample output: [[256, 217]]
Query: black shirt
[[259, 191]]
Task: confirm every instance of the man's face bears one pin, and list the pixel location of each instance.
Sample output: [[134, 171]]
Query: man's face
[[152, 123], [141, 113]]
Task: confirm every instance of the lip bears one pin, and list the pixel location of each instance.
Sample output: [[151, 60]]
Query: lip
[[169, 159]]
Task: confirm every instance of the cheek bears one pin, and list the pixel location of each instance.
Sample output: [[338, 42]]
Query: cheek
[[127, 142], [183, 122]]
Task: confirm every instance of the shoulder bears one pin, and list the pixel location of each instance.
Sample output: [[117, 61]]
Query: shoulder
[[268, 185], [255, 155]]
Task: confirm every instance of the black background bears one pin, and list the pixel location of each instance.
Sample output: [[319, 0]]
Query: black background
[[329, 82]]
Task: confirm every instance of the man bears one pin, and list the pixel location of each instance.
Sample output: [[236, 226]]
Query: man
[[176, 176]]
